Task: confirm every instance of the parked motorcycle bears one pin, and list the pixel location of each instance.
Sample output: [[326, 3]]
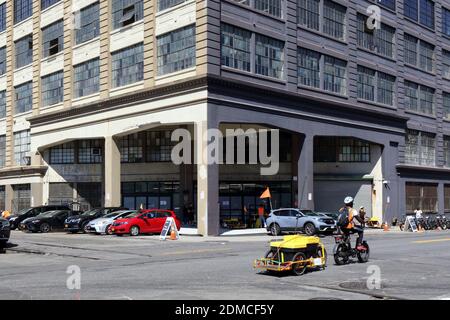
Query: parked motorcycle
[[343, 250]]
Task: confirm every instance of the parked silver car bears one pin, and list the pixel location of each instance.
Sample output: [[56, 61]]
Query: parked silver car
[[292, 219], [101, 225]]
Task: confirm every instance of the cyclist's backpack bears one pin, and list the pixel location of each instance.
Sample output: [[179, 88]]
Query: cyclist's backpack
[[343, 218]]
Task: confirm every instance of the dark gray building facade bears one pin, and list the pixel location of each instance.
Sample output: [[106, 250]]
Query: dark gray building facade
[[314, 67]]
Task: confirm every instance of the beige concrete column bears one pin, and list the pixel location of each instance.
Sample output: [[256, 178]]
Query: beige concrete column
[[208, 212], [37, 192], [37, 54], [105, 60], [68, 44], [112, 173], [10, 62], [149, 27], [9, 196]]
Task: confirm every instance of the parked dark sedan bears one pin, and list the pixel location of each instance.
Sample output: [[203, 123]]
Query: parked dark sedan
[[46, 222], [4, 232], [81, 222], [23, 214]]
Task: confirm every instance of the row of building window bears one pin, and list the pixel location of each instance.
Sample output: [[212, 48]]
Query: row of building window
[[330, 17], [176, 51], [124, 12]]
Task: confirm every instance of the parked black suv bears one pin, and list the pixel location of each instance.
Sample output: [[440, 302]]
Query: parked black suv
[[4, 232], [80, 223], [23, 214]]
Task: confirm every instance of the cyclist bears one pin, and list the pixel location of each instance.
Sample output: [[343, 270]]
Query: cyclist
[[355, 223]]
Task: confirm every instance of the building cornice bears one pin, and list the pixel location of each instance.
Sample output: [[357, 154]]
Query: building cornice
[[24, 171]]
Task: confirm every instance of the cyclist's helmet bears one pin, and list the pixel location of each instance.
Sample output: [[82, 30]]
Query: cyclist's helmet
[[348, 200]]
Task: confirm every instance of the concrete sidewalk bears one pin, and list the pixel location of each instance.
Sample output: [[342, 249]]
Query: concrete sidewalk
[[263, 231]]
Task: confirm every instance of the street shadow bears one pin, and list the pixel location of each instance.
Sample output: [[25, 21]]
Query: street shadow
[[8, 245]]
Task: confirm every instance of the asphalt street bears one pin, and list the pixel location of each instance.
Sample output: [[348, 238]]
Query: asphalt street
[[34, 266]]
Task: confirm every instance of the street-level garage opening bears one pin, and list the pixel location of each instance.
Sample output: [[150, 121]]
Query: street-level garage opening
[[347, 166], [423, 196]]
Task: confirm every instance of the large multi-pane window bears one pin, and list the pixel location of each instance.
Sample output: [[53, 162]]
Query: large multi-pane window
[[375, 86], [24, 51], [446, 21], [447, 151], [47, 3], [236, 47], [269, 59], [2, 104], [340, 149], [132, 148], [446, 105], [176, 50], [420, 148], [419, 53], [90, 151], [380, 40], [127, 65], [272, 7], [322, 71], [308, 14], [159, 146], [23, 97], [22, 9], [2, 60], [52, 88], [86, 78], [88, 20], [166, 4], [63, 153], [421, 11], [53, 39], [2, 151], [446, 64], [332, 21], [335, 75], [126, 12], [3, 17], [419, 98], [387, 3], [309, 68], [22, 147]]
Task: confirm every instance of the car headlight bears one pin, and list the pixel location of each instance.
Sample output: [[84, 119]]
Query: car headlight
[[13, 219], [36, 221], [322, 220]]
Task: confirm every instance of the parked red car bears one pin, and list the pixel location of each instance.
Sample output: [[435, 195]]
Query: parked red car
[[144, 221]]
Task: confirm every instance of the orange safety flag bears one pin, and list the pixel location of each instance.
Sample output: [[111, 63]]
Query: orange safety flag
[[266, 194]]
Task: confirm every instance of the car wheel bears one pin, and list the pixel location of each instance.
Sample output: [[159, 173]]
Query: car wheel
[[134, 231], [84, 227], [45, 227], [108, 230], [310, 229], [275, 229]]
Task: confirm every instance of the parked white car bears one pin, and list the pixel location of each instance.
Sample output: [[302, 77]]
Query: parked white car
[[103, 224]]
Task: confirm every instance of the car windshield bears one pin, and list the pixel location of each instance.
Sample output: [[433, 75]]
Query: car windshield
[[133, 214], [89, 213], [50, 213], [23, 211], [310, 213], [113, 214]]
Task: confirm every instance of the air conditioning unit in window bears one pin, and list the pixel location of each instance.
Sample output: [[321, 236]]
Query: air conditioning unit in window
[[96, 151], [26, 160]]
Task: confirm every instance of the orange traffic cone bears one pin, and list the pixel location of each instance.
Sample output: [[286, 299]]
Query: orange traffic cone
[[385, 226], [173, 235]]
